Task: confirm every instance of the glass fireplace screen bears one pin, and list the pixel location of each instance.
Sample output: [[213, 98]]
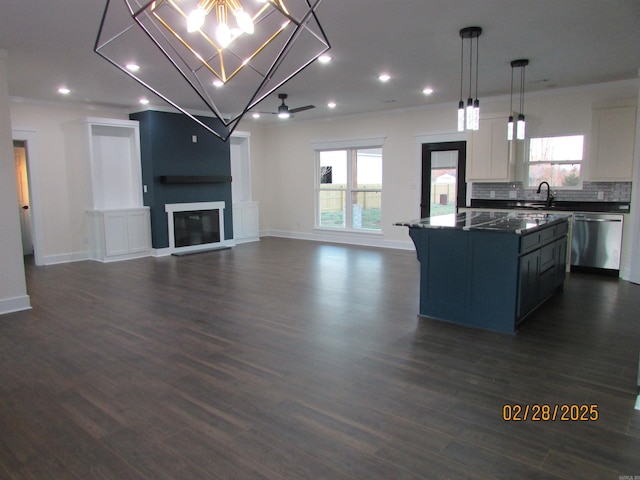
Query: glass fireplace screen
[[196, 227]]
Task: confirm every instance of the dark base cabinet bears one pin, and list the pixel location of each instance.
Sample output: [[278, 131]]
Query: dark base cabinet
[[488, 279]]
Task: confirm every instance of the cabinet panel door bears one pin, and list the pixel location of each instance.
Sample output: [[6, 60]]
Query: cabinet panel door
[[139, 232], [490, 159], [561, 262], [614, 137], [115, 234], [528, 282]]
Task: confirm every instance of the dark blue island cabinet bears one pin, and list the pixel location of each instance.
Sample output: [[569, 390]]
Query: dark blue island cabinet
[[488, 270]]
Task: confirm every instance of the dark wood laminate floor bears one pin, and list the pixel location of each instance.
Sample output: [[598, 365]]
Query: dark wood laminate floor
[[287, 359]]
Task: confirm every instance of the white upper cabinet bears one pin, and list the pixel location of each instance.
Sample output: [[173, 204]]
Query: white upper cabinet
[[614, 131], [488, 152]]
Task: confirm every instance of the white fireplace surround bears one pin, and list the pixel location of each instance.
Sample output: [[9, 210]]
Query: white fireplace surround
[[171, 208]]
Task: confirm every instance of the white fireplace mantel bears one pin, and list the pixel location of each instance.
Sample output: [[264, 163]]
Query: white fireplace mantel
[[171, 208]]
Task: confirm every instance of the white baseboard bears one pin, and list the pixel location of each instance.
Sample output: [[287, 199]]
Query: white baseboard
[[339, 237], [246, 240], [161, 252], [14, 304], [66, 258], [121, 258]]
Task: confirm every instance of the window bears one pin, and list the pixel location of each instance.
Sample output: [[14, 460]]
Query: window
[[349, 188], [557, 160]]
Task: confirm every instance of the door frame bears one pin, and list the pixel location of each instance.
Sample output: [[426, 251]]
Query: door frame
[[31, 145], [425, 175]]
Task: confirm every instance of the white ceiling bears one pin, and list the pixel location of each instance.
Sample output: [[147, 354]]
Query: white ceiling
[[568, 43]]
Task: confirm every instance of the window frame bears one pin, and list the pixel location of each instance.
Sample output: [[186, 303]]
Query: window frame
[[582, 162], [349, 190]]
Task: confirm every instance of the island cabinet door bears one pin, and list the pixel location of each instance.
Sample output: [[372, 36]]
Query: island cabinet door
[[528, 282], [561, 265]]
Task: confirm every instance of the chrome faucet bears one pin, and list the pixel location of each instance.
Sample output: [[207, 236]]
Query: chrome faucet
[[549, 196]]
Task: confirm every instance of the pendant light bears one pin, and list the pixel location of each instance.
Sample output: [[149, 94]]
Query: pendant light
[[510, 122], [520, 126], [469, 116]]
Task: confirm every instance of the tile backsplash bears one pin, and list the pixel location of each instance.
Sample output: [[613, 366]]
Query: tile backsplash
[[611, 192]]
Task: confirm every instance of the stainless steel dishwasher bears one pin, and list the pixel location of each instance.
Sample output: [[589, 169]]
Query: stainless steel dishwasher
[[596, 241]]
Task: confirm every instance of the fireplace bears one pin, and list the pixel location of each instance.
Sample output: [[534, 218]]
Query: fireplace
[[195, 227]]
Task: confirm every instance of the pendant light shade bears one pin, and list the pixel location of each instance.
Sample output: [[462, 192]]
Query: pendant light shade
[[469, 117], [510, 128], [520, 125]]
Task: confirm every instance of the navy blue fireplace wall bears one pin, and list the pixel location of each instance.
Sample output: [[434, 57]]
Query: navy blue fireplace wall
[[182, 163]]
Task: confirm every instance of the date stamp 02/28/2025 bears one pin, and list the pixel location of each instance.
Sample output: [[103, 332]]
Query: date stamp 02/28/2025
[[534, 412]]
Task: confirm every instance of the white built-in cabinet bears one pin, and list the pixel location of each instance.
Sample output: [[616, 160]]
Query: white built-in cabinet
[[245, 222], [614, 131], [489, 157], [118, 224], [246, 213]]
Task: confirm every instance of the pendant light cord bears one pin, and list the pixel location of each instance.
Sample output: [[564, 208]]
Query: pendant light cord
[[522, 90], [461, 64], [511, 97], [470, 65], [477, 58]]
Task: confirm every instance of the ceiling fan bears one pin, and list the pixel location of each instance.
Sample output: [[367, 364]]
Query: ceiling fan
[[284, 111]]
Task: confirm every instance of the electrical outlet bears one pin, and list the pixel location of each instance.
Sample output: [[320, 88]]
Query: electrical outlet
[[492, 194], [600, 195], [513, 194], [194, 138]]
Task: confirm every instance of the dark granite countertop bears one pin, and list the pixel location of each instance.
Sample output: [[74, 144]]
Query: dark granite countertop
[[506, 222], [557, 205]]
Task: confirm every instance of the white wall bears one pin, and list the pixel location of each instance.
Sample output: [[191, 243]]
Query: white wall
[[57, 177], [13, 290]]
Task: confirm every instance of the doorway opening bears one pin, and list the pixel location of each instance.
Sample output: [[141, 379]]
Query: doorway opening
[[24, 202], [444, 188]]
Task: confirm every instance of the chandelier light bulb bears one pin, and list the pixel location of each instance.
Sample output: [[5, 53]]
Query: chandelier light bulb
[[195, 20], [245, 22], [223, 34]]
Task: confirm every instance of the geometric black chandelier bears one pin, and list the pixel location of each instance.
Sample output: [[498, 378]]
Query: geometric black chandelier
[[520, 126], [218, 56], [469, 115]]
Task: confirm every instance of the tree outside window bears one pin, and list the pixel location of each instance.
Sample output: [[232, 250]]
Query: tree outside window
[[557, 160]]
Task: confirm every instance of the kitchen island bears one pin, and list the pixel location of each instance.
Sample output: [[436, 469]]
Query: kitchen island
[[489, 269]]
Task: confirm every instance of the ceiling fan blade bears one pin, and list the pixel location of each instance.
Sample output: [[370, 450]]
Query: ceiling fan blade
[[301, 109]]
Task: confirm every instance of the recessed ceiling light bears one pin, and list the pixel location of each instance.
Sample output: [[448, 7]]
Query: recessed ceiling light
[[324, 58], [144, 101], [64, 90], [427, 90], [132, 67], [218, 83], [331, 104], [255, 115], [384, 77]]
